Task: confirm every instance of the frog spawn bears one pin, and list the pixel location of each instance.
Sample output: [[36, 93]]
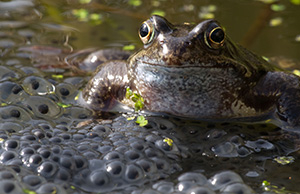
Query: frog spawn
[[195, 182], [99, 159], [53, 155], [79, 156]]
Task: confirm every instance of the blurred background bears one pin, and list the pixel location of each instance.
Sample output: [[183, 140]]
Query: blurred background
[[268, 27]]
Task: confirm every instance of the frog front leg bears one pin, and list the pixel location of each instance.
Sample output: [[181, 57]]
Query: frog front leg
[[107, 87], [288, 109], [284, 90]]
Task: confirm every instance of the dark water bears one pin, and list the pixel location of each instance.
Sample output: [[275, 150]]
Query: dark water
[[237, 17], [38, 110]]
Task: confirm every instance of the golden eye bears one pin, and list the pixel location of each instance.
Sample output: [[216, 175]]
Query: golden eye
[[215, 38], [146, 32]]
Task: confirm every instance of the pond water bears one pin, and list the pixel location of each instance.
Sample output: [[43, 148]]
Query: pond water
[[43, 150]]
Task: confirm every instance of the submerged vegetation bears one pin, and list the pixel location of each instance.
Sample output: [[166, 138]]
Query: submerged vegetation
[[138, 106]]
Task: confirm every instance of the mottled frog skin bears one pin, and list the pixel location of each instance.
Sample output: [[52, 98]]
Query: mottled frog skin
[[196, 71]]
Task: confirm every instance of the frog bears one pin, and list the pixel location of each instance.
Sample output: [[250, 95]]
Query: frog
[[195, 71]]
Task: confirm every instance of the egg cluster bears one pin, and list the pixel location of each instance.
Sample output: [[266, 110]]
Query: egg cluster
[[51, 144]]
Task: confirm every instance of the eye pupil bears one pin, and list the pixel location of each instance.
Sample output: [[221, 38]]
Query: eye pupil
[[214, 36], [144, 30], [217, 35]]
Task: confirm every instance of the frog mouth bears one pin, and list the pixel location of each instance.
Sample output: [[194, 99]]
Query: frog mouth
[[177, 62], [187, 65]]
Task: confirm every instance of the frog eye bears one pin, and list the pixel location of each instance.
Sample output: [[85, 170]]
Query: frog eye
[[146, 32], [215, 38]]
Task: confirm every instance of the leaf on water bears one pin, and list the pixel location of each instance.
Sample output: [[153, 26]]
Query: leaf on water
[[155, 3], [296, 72], [77, 96], [63, 105], [277, 7], [267, 186], [266, 183], [57, 76], [211, 8], [268, 1], [189, 7], [128, 47], [27, 191], [297, 39], [206, 12], [138, 105], [85, 1], [96, 18], [54, 191], [130, 118], [284, 160], [81, 14], [265, 58], [128, 93], [268, 120], [169, 141], [159, 12], [296, 2], [135, 3], [206, 15], [276, 21], [136, 98], [141, 121]]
